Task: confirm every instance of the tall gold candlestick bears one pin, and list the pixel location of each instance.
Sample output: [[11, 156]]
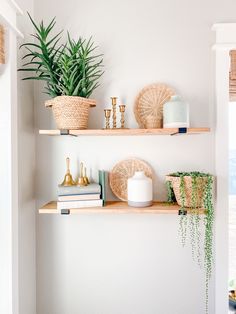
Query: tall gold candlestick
[[113, 101], [122, 116], [107, 116]]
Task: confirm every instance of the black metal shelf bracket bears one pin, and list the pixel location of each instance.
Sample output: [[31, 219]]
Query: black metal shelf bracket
[[181, 131], [65, 212], [182, 212], [64, 132]]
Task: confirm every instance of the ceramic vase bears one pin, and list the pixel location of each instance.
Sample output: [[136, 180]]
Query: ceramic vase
[[175, 113], [139, 189]]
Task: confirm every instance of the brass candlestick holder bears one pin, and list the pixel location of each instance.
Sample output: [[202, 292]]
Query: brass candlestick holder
[[113, 102], [113, 111], [81, 181], [122, 117], [107, 116], [68, 180]]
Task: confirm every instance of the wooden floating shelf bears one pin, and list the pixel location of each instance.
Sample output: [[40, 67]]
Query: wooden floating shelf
[[118, 207], [125, 132]]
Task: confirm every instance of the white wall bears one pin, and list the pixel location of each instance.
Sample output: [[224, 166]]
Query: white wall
[[127, 263], [26, 154]]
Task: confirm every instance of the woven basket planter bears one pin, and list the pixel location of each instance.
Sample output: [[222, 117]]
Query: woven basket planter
[[200, 190], [70, 112]]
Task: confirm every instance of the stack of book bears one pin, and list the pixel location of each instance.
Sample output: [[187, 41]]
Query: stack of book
[[79, 197]]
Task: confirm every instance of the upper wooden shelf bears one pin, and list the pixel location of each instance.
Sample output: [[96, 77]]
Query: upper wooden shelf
[[125, 132], [117, 207]]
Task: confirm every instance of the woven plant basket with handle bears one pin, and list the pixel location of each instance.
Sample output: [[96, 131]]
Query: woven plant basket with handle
[[71, 112], [200, 190]]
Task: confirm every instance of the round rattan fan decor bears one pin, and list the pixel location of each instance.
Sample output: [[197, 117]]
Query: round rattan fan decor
[[122, 171], [148, 108]]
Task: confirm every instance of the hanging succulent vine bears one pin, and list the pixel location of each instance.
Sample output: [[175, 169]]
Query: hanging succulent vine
[[198, 238], [170, 193], [183, 214], [208, 246], [192, 217], [201, 194]]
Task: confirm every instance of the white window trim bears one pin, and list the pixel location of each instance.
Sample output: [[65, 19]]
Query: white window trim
[[225, 41]]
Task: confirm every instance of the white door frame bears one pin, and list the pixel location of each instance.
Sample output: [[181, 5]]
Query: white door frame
[[9, 292], [225, 41]]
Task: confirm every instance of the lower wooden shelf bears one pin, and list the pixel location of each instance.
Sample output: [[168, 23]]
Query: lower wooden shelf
[[118, 207]]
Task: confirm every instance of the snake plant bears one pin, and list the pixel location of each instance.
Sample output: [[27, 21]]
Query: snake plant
[[70, 69]]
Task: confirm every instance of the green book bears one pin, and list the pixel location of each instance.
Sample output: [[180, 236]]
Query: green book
[[102, 178]]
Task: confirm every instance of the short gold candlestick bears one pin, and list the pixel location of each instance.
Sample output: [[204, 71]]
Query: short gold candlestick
[[81, 181], [122, 117], [107, 116], [113, 101]]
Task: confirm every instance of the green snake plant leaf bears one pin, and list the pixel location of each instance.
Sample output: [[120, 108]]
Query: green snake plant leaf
[[68, 69]]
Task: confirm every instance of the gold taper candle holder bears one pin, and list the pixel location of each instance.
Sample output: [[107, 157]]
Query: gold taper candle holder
[[113, 102], [107, 116], [122, 117]]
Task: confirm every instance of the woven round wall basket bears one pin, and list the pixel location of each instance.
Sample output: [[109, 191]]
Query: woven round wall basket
[[71, 112], [124, 170], [200, 190], [148, 108]]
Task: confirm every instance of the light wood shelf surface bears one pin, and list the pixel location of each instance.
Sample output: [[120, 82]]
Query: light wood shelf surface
[[125, 132], [118, 207]]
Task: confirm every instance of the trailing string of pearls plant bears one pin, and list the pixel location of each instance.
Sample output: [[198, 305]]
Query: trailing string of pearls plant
[[194, 190]]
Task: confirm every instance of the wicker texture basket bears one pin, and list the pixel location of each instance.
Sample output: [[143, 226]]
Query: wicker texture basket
[[71, 112], [200, 189], [149, 103], [2, 52], [122, 171]]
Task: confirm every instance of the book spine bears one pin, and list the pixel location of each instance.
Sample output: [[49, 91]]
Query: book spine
[[77, 197], [102, 175], [74, 190]]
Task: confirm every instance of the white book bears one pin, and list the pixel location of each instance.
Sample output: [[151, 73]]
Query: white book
[[82, 197], [92, 188], [79, 204]]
